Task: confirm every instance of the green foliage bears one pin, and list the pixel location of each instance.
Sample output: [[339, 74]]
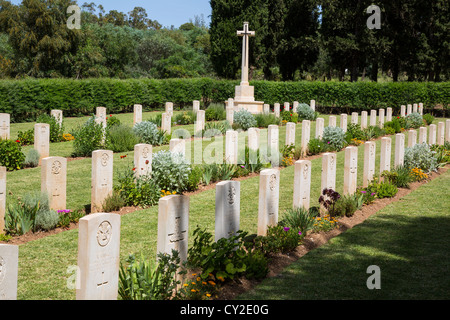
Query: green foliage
[[399, 176], [170, 171], [413, 120], [421, 156], [316, 146], [442, 153], [298, 218], [428, 119], [32, 158], [25, 138], [56, 130], [139, 281], [215, 112], [265, 120], [347, 205], [121, 138], [11, 155], [112, 121], [214, 129], [383, 189], [354, 131], [113, 202], [187, 117], [334, 137], [149, 133], [244, 119], [306, 113], [252, 160], [394, 124], [289, 116], [218, 172], [373, 132], [279, 239], [142, 191], [88, 138], [66, 217], [195, 177]]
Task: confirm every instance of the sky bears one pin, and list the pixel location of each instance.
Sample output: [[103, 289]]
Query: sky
[[166, 12]]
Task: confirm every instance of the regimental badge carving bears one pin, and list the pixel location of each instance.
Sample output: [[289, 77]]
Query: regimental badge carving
[[2, 269], [231, 195], [104, 233], [56, 167], [105, 159], [145, 153], [372, 150], [272, 182], [332, 161], [305, 171], [43, 129]]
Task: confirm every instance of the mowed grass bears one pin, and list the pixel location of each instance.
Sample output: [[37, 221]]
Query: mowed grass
[[44, 263], [408, 240]]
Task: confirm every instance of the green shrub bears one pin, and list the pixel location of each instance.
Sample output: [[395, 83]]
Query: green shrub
[[157, 120], [354, 131], [244, 119], [413, 120], [26, 138], [88, 138], [170, 171], [279, 239], [428, 119], [399, 176], [347, 205], [334, 137], [187, 117], [298, 218], [121, 138], [112, 121], [305, 112], [195, 177], [56, 130], [251, 160], [265, 120], [394, 124], [149, 133], [46, 220], [214, 129], [289, 116], [32, 158], [421, 156], [316, 146], [215, 112], [373, 132], [113, 202], [11, 155]]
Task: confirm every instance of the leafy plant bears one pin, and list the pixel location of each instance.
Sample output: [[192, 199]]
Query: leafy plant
[[399, 176], [88, 138], [298, 218], [11, 155], [328, 200], [265, 120], [32, 158], [289, 116], [334, 137], [25, 138], [421, 156], [252, 160], [112, 121], [244, 119], [187, 117], [279, 239], [170, 171], [316, 146], [215, 112], [413, 120], [149, 133], [113, 202], [214, 129], [305, 112], [428, 119], [56, 130], [121, 138]]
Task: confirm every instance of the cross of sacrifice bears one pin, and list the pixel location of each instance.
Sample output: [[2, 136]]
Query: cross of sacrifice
[[245, 34]]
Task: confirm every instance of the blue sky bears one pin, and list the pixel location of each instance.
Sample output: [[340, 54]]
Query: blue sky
[[166, 12]]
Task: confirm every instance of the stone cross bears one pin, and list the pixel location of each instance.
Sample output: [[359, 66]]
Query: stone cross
[[320, 124], [9, 266], [399, 156], [2, 198], [5, 122], [302, 184], [350, 170], [102, 178], [54, 181], [173, 225], [227, 214], [306, 135], [98, 257], [269, 197], [385, 154], [290, 134], [370, 149], [42, 140], [137, 114], [143, 156], [245, 52]]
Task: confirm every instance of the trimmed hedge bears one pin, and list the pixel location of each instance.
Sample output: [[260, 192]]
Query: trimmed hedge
[[26, 99]]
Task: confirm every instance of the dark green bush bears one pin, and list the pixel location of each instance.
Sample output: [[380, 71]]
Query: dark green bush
[[11, 155], [88, 138], [26, 138], [121, 138], [56, 130]]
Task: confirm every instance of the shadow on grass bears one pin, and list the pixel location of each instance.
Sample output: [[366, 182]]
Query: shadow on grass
[[411, 252]]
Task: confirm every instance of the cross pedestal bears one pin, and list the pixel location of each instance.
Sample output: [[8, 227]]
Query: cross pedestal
[[244, 93]]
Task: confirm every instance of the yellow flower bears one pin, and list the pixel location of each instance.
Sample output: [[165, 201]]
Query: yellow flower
[[208, 295], [193, 283], [198, 279], [186, 285], [212, 283], [193, 290]]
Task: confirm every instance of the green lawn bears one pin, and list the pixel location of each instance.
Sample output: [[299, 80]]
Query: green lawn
[[408, 240], [43, 263]]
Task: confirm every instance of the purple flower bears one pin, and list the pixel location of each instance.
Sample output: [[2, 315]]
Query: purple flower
[[363, 191], [329, 142], [299, 233], [242, 167], [373, 194], [287, 229]]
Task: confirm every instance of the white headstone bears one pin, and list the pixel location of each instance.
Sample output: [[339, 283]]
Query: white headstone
[[269, 195], [286, 106], [169, 108], [363, 120], [415, 108], [302, 184], [306, 135], [200, 123], [432, 134], [98, 257], [343, 122], [388, 114], [5, 125], [166, 123], [370, 149], [403, 111], [422, 135], [253, 138], [266, 108], [42, 140], [373, 118], [290, 134], [399, 157], [381, 113], [228, 203], [355, 117], [173, 225], [320, 125], [178, 146], [332, 121], [54, 181], [231, 147], [420, 109], [102, 178], [328, 180], [272, 142], [385, 154], [313, 105], [9, 266], [350, 170], [412, 138], [276, 109], [409, 109], [447, 130], [230, 114], [58, 115], [143, 156], [137, 114], [440, 133], [294, 106], [196, 105], [100, 116]]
